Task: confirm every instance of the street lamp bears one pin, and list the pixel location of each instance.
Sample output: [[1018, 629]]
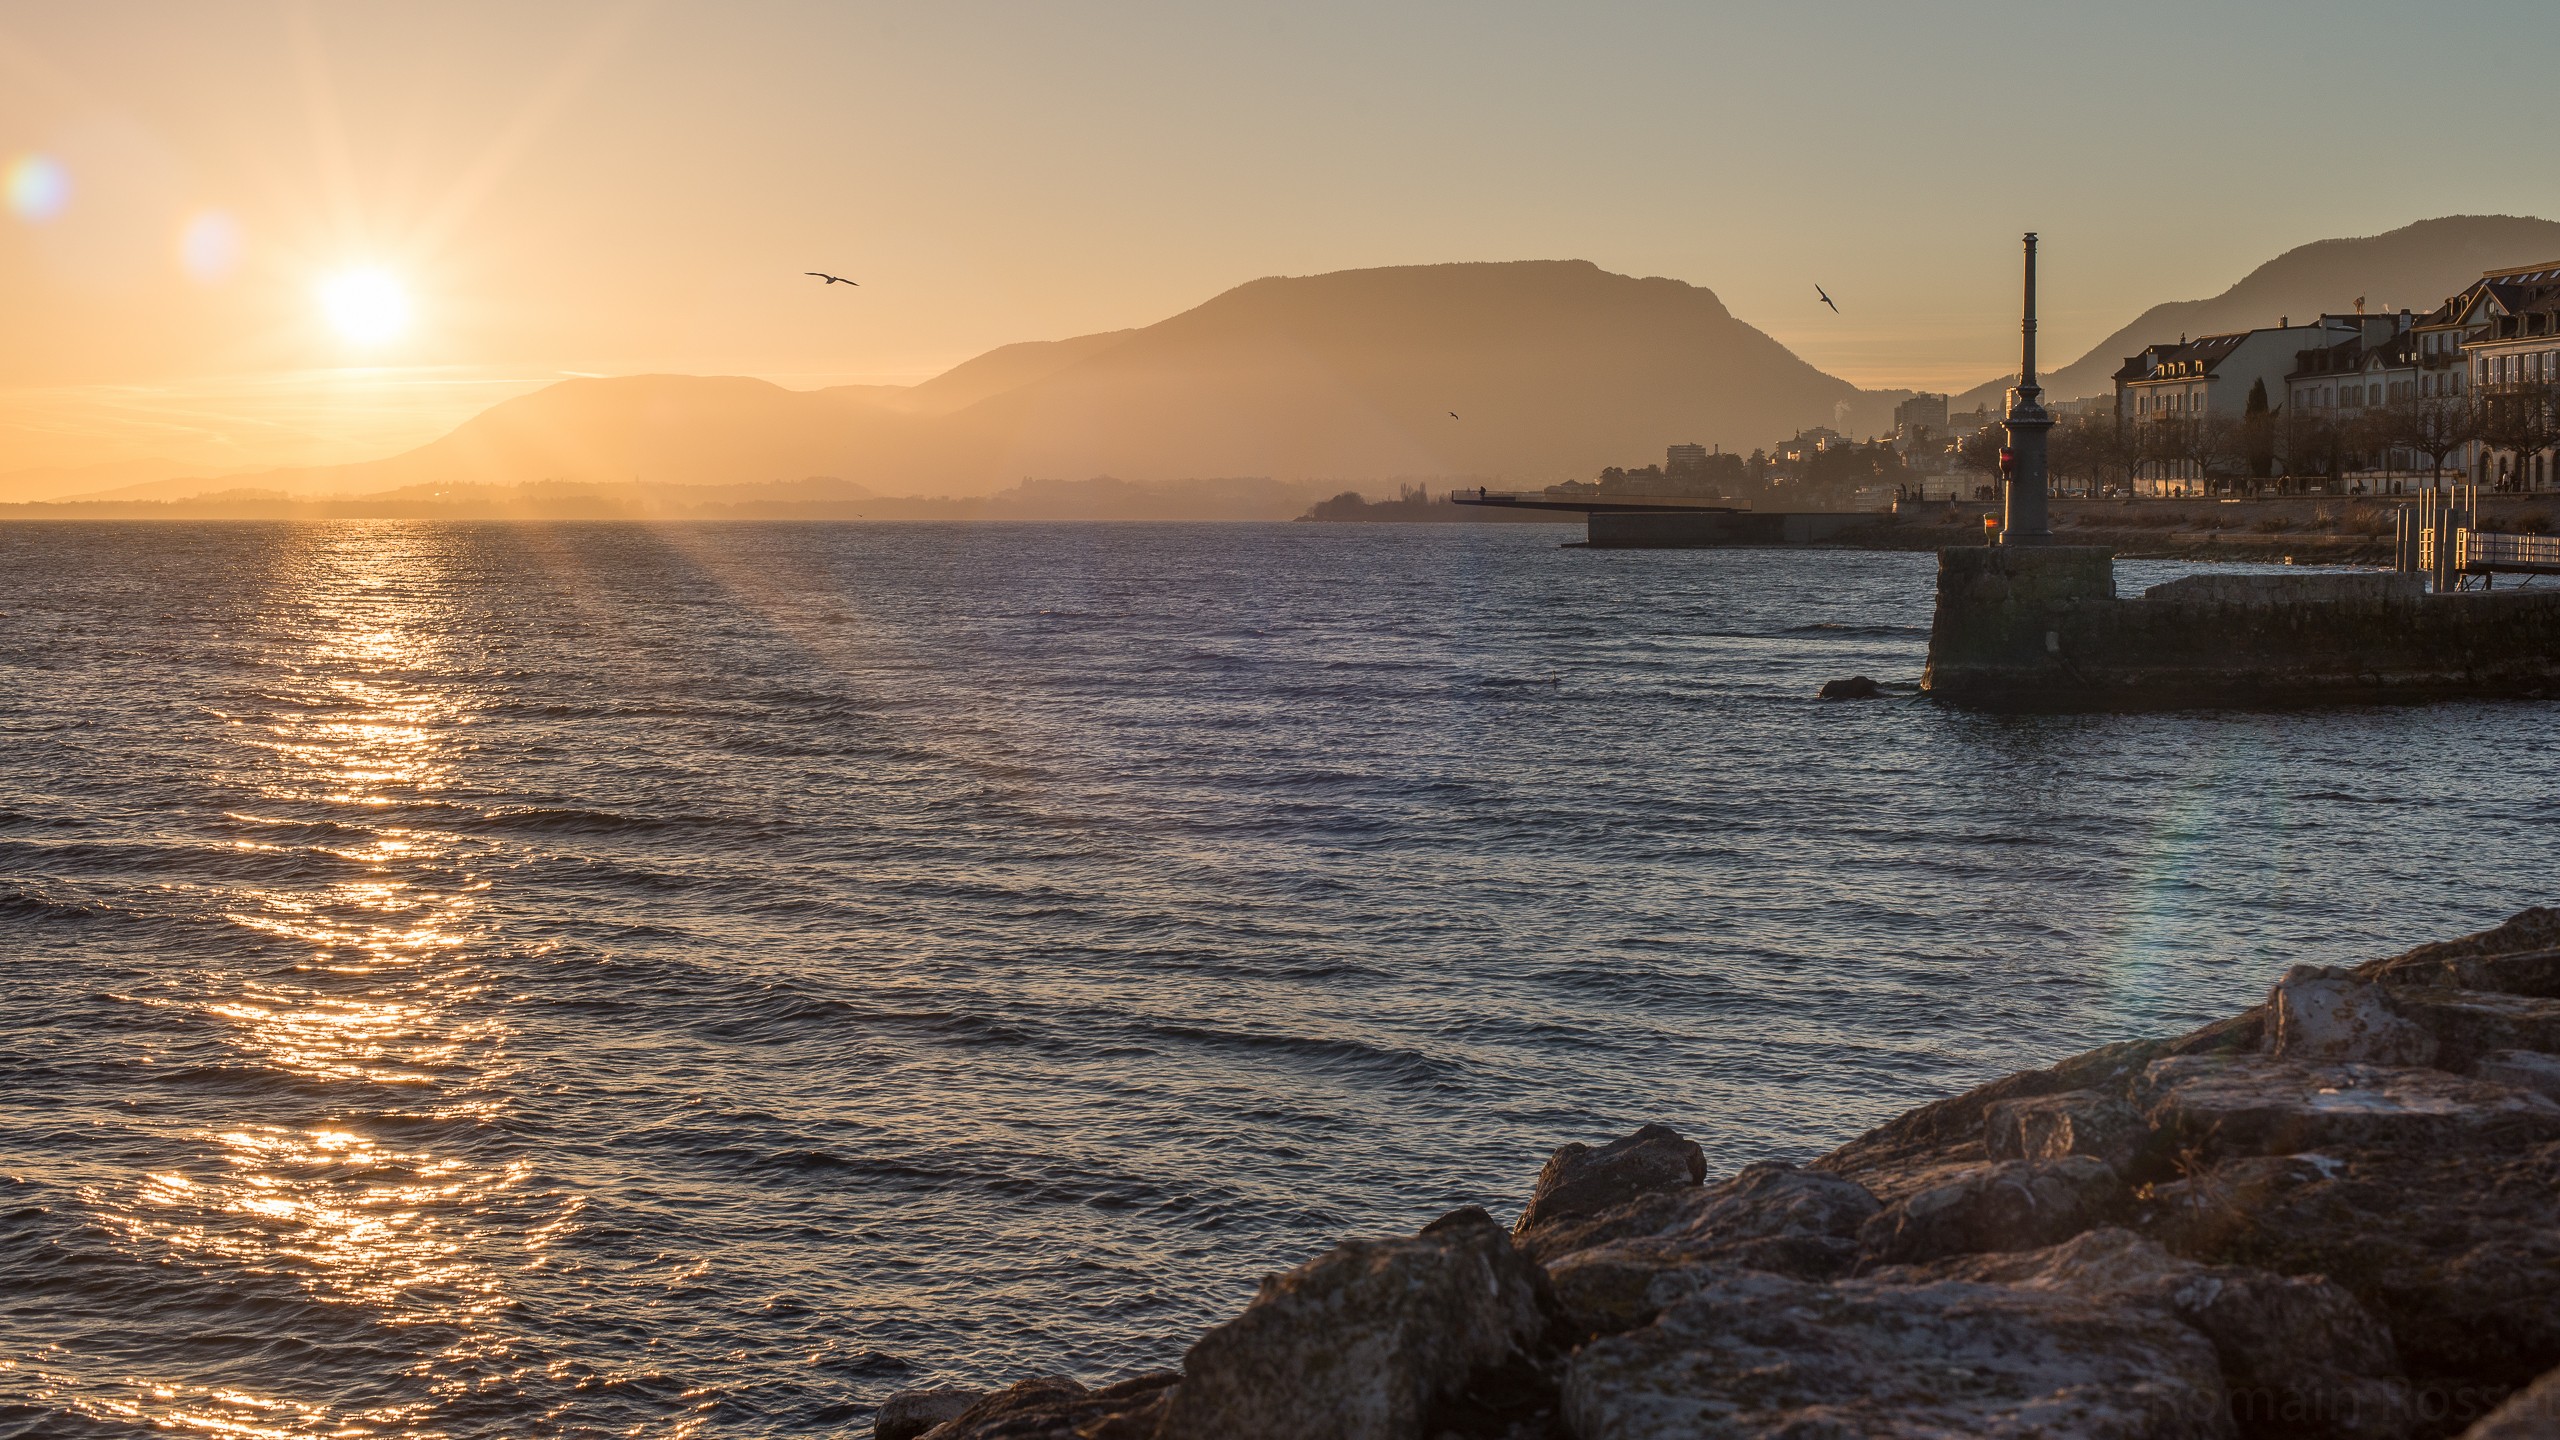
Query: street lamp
[[2023, 470]]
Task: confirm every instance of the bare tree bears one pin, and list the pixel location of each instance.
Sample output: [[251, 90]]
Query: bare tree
[[2092, 449], [2215, 447], [2310, 446], [2374, 437], [2520, 418], [2434, 426], [2162, 443]]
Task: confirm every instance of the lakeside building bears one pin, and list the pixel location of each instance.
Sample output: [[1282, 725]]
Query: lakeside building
[[2339, 399], [1923, 416], [2357, 401], [2509, 321], [1806, 445], [2375, 365], [2184, 393]]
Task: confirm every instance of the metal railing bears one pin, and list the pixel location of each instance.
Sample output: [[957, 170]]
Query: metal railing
[[2491, 550]]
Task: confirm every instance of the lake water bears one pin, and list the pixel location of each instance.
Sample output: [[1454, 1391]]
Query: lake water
[[487, 981]]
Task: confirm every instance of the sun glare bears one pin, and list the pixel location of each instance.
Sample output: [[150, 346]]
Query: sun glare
[[366, 307]]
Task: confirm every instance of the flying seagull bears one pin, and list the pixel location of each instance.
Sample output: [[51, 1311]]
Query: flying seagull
[[833, 279], [1827, 300]]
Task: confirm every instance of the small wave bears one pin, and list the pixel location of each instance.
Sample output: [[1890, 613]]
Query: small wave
[[579, 820], [1404, 1064], [1519, 682], [19, 902], [1839, 628]]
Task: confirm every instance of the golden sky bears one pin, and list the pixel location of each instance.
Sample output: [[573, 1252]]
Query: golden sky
[[244, 234]]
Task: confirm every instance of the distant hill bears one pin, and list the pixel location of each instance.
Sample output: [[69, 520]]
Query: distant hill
[[1003, 368], [1553, 369], [56, 482], [2415, 266]]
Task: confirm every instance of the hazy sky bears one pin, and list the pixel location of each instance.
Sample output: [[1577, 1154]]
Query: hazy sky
[[609, 187]]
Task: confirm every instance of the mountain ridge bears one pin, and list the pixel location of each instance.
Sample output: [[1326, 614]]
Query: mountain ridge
[[2416, 265], [1527, 370]]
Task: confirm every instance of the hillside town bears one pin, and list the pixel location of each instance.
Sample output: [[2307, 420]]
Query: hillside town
[[2348, 403]]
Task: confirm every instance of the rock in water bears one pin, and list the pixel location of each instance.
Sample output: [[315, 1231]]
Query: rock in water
[[909, 1413], [1579, 1181], [2015, 1205], [1752, 1354], [1856, 687], [1365, 1341]]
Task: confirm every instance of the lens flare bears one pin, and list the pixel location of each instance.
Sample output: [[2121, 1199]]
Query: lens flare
[[367, 307], [38, 188], [210, 246]]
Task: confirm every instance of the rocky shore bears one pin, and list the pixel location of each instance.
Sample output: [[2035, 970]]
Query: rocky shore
[[2334, 1214]]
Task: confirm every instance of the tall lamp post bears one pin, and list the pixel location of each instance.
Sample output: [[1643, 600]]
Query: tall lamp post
[[2023, 481]]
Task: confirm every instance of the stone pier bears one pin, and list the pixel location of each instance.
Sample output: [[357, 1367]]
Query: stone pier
[[2042, 627]]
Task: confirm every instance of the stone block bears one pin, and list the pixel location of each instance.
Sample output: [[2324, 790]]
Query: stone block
[[2075, 1122], [1748, 1354], [2014, 1205]]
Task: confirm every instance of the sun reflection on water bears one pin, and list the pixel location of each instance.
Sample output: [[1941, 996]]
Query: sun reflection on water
[[362, 1170]]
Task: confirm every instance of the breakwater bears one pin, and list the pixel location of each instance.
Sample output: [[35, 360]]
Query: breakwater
[[2327, 1215], [2043, 628]]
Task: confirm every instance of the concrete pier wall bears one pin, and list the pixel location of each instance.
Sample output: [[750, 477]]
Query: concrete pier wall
[[2042, 628]]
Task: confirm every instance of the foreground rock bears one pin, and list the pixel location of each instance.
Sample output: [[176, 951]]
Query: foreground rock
[[2015, 1205], [2321, 1016], [1608, 1272], [1579, 1181], [1368, 1341], [2299, 1355], [1752, 1354], [1055, 1407], [2054, 1127], [2521, 1069], [910, 1413], [2335, 1214], [2531, 1414], [2263, 1106], [2458, 1252]]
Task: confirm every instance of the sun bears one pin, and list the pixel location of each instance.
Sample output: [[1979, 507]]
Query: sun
[[365, 307]]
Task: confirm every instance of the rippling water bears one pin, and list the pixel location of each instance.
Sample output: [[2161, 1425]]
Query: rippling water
[[480, 981]]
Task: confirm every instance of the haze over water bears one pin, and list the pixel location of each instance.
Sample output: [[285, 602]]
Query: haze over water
[[482, 981]]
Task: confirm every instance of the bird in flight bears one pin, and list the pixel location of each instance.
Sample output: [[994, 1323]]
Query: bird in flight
[[1453, 414], [1827, 300], [833, 279]]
